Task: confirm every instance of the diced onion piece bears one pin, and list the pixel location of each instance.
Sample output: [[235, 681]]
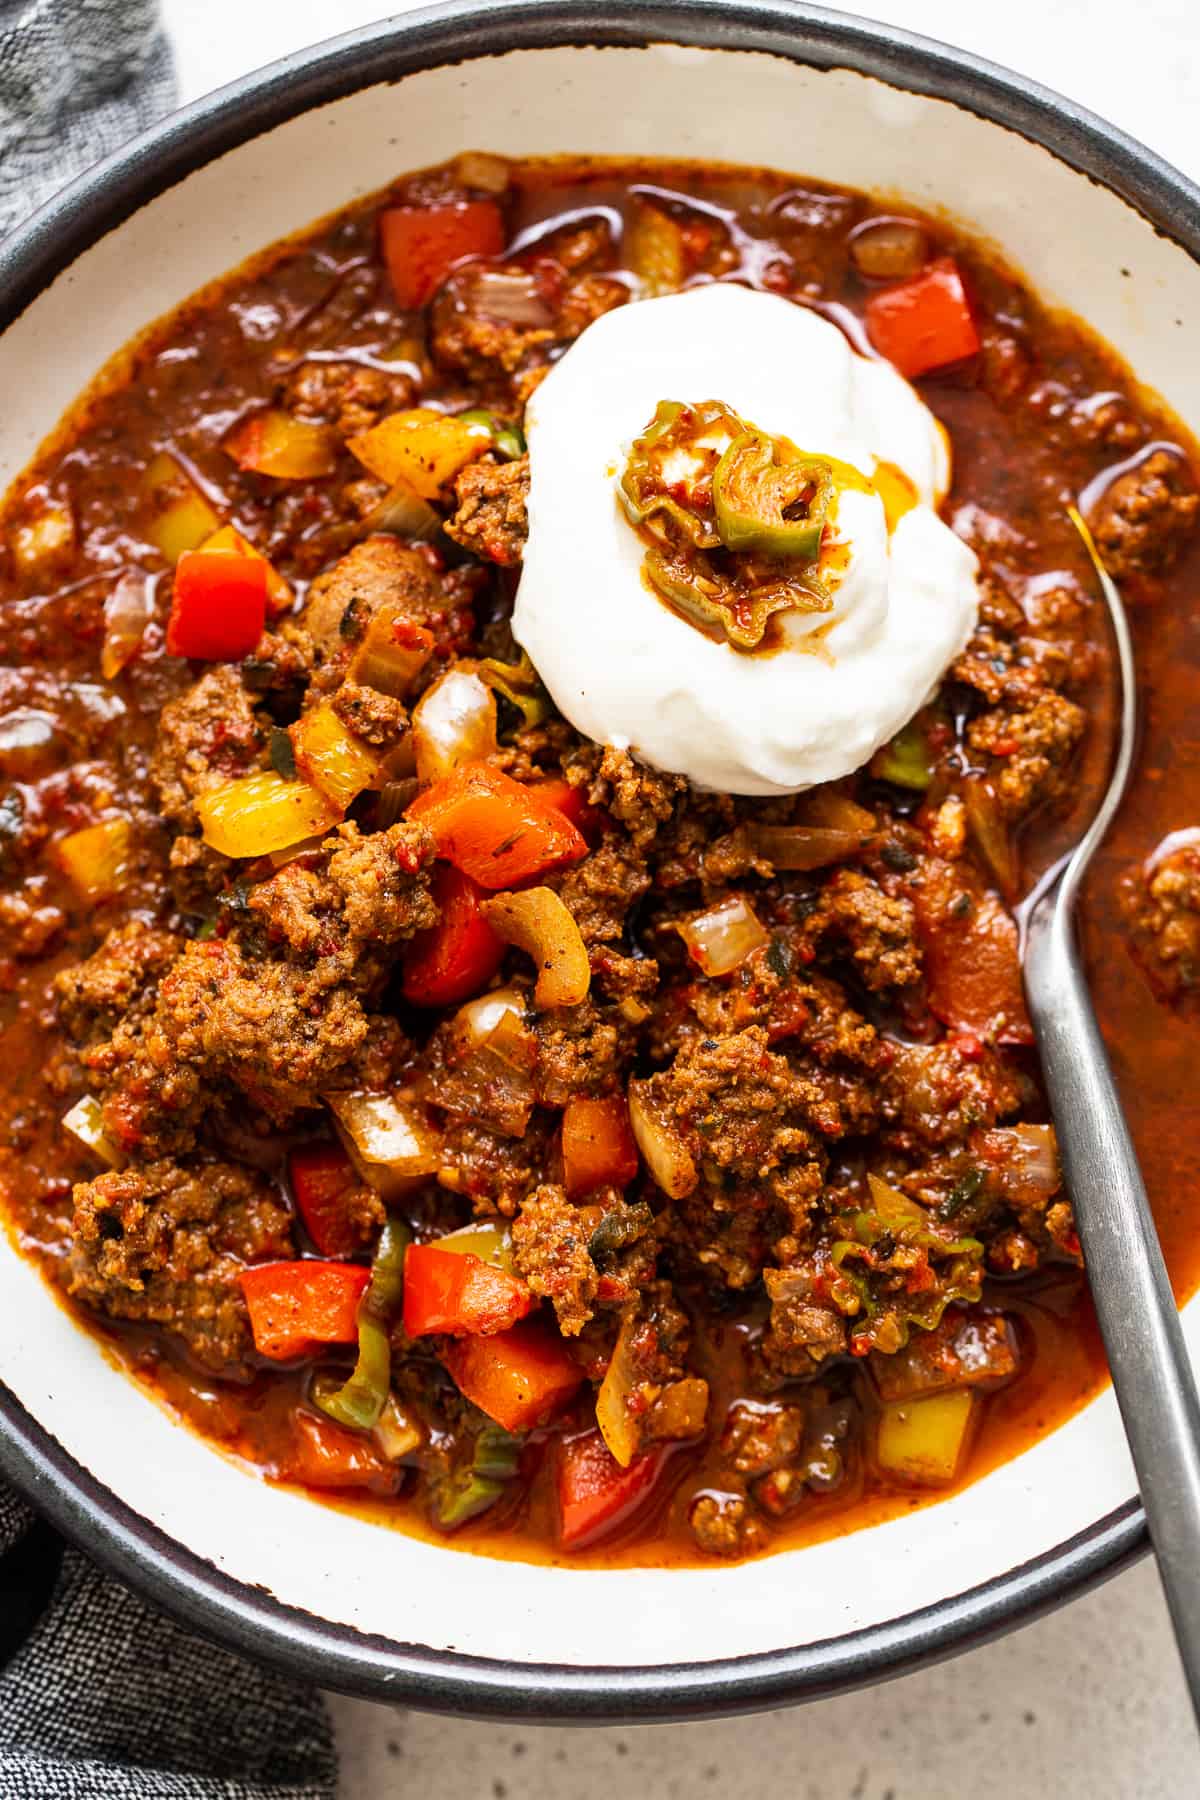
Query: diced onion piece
[[617, 1424], [889, 249], [831, 810], [391, 653], [306, 846], [538, 922], [453, 722], [481, 170], [388, 1138], [1026, 1161], [182, 517], [922, 1441], [85, 1122], [666, 1155], [488, 1239], [654, 249], [40, 542], [489, 1062], [271, 442], [510, 297], [893, 1207], [424, 448], [397, 1432], [127, 612], [255, 814], [721, 939], [332, 758], [800, 847], [403, 513], [97, 858], [280, 598]]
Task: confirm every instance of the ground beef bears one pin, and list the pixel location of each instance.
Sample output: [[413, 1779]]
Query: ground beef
[[582, 1049], [1161, 905], [166, 1244], [488, 324], [1030, 750], [491, 517], [379, 719], [725, 1525], [877, 931], [93, 995], [1145, 516], [550, 1249], [364, 896], [937, 1093], [640, 799], [495, 1172], [600, 893], [208, 735], [347, 395], [805, 1328]]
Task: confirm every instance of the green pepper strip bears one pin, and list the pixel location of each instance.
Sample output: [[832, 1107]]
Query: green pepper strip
[[751, 495], [472, 1490], [520, 684], [905, 761], [361, 1400], [638, 481], [509, 440]]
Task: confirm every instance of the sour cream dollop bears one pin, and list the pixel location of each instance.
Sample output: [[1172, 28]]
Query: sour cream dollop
[[627, 670]]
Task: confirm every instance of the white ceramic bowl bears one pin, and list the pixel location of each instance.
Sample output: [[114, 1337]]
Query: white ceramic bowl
[[1097, 224]]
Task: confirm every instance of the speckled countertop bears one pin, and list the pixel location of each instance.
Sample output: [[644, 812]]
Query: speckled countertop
[[1086, 1705]]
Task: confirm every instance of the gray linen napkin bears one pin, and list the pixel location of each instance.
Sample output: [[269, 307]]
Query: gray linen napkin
[[102, 1698]]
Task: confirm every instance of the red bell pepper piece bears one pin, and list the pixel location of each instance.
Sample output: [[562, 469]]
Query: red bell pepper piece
[[294, 1306], [924, 323], [459, 955], [597, 1145], [573, 803], [451, 1292], [322, 1178], [421, 244], [323, 1454], [972, 957], [520, 1378], [218, 605], [595, 1494], [493, 829]]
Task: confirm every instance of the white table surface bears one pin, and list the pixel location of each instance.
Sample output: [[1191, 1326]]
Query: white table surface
[[1089, 1703]]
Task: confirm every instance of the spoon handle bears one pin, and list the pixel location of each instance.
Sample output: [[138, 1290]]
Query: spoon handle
[[1151, 1371]]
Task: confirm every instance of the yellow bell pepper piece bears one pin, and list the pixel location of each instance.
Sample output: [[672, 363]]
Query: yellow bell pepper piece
[[182, 517], [422, 447], [255, 814], [332, 758], [273, 443], [922, 1441], [280, 597], [97, 858]]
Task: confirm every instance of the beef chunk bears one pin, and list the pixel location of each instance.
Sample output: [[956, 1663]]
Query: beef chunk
[[347, 395], [380, 572], [1031, 750], [165, 1244], [208, 735], [641, 799], [491, 518], [488, 324], [93, 995], [550, 1244], [377, 718], [580, 1050], [938, 1093], [725, 1525], [1145, 516], [1161, 905], [367, 896], [805, 1328]]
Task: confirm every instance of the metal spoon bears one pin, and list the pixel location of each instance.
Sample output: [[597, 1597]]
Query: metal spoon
[[1151, 1372]]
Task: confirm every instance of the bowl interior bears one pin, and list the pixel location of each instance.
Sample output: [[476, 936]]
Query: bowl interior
[[1079, 245]]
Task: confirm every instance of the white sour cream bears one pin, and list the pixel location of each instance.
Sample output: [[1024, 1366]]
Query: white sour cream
[[627, 670]]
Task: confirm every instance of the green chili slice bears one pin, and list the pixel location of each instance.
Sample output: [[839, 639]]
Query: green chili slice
[[753, 495], [360, 1400], [509, 440], [906, 761], [478, 1485]]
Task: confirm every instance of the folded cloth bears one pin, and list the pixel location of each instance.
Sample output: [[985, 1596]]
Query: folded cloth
[[77, 77], [102, 1698]]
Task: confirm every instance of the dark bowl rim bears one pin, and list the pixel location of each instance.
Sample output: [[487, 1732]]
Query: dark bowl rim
[[247, 1618]]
